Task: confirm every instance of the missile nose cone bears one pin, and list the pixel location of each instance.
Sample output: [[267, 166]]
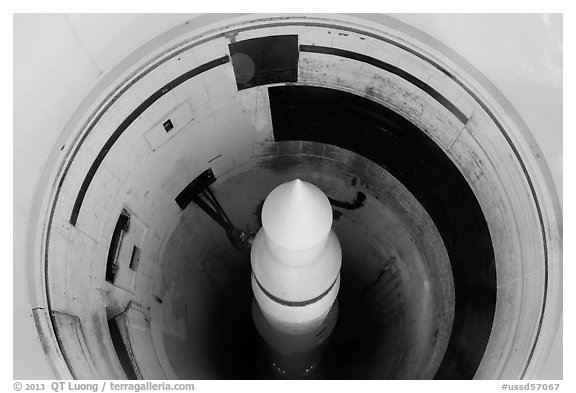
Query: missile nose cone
[[296, 258], [297, 215]]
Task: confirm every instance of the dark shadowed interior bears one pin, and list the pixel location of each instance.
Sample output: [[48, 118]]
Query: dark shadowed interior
[[418, 279]]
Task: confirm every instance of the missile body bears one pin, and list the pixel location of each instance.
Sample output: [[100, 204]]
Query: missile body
[[296, 259]]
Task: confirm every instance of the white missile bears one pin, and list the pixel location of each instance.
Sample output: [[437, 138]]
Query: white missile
[[296, 259]]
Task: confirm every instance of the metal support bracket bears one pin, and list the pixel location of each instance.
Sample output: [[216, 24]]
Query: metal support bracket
[[198, 191]]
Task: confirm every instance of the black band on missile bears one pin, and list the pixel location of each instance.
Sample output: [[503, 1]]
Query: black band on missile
[[289, 303]]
